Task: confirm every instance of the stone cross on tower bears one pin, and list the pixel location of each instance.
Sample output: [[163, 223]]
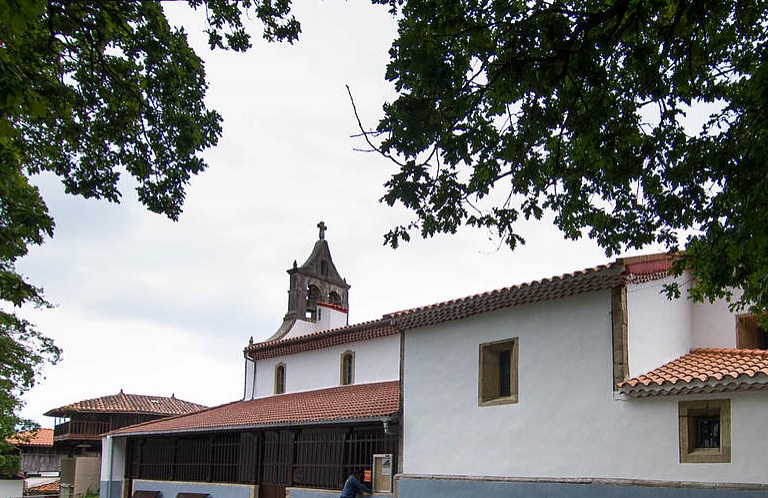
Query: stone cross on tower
[[322, 228]]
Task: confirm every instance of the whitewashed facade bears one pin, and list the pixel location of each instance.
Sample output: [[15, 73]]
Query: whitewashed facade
[[571, 432], [375, 360], [601, 395]]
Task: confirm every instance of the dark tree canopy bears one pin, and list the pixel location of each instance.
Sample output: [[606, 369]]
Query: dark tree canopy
[[90, 91], [508, 110]]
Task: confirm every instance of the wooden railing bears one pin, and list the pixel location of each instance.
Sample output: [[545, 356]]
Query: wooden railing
[[80, 429]]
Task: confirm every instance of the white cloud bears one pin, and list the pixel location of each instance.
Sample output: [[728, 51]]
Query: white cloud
[[156, 307]]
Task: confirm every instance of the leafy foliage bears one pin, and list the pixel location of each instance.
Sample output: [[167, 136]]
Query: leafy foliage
[[508, 110], [90, 91]]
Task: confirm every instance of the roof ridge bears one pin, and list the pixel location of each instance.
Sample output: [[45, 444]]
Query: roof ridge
[[180, 415], [731, 351], [122, 402], [520, 286], [320, 333]]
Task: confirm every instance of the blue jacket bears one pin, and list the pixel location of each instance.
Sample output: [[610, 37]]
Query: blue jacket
[[352, 486]]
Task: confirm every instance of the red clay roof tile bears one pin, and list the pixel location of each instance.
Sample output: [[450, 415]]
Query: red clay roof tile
[[323, 339], [589, 280], [40, 437], [703, 370], [49, 487], [128, 403], [336, 404], [635, 269]]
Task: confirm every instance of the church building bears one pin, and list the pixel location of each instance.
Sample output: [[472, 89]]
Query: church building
[[588, 384]]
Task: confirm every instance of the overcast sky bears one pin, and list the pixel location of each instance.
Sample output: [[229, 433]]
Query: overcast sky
[[157, 307]]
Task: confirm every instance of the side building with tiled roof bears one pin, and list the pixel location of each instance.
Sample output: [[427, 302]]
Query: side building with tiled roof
[[321, 398], [80, 426], [37, 453]]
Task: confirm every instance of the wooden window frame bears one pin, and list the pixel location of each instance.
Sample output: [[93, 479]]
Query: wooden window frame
[[351, 380], [747, 330], [280, 386], [488, 390], [689, 412]]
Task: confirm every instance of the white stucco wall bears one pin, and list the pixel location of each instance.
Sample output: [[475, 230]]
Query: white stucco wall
[[301, 327], [249, 379], [330, 318], [113, 458], [714, 326], [567, 422], [376, 360], [11, 488], [659, 328]]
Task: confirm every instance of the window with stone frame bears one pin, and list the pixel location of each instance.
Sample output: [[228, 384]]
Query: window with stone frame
[[751, 332], [280, 378], [347, 367], [497, 379], [705, 431]]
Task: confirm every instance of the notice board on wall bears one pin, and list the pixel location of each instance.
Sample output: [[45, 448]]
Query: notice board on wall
[[382, 473]]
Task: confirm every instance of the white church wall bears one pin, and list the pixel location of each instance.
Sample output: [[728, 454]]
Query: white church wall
[[566, 423], [714, 326], [329, 318], [376, 360], [249, 379], [660, 328], [301, 327]]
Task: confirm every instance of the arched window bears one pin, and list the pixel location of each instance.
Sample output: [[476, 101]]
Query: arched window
[[313, 292], [280, 378], [334, 298], [313, 295], [347, 376]]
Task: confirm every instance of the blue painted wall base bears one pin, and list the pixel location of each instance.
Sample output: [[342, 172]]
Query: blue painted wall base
[[463, 488]]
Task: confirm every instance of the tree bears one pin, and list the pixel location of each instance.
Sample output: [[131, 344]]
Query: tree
[[90, 91], [508, 110]]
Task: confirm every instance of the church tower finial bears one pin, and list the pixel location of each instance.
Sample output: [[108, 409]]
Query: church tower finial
[[314, 285]]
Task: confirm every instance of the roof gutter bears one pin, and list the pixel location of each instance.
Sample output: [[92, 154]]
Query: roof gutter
[[386, 420], [696, 387]]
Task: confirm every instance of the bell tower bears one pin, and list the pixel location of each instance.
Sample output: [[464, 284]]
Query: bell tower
[[318, 297]]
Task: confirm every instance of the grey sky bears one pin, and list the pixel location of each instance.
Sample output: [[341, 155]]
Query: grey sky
[[156, 307]]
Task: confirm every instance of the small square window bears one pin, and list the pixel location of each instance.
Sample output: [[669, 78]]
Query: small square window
[[498, 373], [705, 431]]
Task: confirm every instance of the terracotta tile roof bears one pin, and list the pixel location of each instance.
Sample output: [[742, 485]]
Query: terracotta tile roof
[[332, 306], [128, 403], [47, 488], [636, 269], [703, 371], [645, 268], [333, 405], [589, 280], [40, 437], [323, 339]]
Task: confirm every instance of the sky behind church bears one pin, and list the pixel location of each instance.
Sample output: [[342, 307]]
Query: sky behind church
[[155, 307]]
